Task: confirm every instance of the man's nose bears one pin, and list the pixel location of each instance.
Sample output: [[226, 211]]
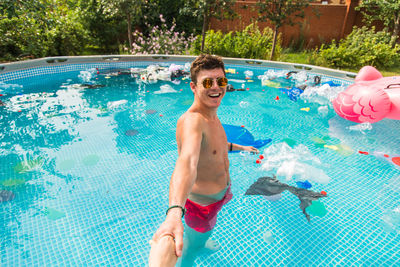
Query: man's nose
[[215, 83]]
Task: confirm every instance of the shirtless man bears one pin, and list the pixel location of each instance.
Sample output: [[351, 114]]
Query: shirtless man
[[200, 183]]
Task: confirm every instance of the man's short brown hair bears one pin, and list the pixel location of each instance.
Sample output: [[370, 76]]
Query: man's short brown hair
[[205, 62]]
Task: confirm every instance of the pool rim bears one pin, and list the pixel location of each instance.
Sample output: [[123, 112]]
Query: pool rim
[[68, 60]]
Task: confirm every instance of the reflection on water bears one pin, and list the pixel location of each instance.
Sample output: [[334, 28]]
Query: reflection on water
[[88, 158], [55, 140]]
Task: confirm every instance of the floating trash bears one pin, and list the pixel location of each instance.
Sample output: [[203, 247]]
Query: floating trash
[[244, 104], [6, 195], [269, 186], [273, 198], [344, 150], [333, 147], [166, 88], [87, 75], [306, 184], [268, 237], [341, 149], [318, 141], [115, 104], [290, 142], [102, 109], [25, 166], [267, 82], [391, 220], [294, 163], [271, 74], [150, 111], [249, 74], [323, 111], [51, 115], [365, 126], [53, 214], [237, 80], [66, 165], [131, 132], [317, 208], [90, 160], [13, 182]]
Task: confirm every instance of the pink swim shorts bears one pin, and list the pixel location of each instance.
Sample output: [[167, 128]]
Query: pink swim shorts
[[203, 218]]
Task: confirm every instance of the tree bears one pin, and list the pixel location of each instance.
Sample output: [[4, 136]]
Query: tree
[[131, 10], [279, 13], [387, 11], [39, 28], [170, 9], [206, 9]]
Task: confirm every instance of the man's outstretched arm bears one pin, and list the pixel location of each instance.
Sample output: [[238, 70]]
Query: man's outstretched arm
[[235, 147], [189, 135]]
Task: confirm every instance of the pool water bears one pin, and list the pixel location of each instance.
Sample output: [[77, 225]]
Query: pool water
[[86, 170]]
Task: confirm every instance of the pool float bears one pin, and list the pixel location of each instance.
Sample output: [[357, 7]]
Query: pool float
[[241, 136], [370, 99]]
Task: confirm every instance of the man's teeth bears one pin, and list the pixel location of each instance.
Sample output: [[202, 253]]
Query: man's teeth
[[214, 95]]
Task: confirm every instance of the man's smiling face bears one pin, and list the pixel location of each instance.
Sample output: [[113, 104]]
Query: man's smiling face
[[212, 96]]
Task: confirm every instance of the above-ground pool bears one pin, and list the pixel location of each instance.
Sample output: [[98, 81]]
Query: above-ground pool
[[88, 149]]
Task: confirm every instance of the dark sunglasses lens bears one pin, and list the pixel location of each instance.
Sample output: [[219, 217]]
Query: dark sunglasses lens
[[207, 83], [222, 82]]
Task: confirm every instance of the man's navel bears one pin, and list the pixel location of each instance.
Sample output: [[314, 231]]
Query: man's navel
[[215, 152]]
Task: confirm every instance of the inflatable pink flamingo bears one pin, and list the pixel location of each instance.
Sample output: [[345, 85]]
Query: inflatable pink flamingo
[[371, 98]]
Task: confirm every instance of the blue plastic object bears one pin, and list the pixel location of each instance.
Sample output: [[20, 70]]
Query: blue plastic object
[[306, 184], [292, 93], [241, 136], [330, 83]]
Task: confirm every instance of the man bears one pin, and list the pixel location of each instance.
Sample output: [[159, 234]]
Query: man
[[200, 183]]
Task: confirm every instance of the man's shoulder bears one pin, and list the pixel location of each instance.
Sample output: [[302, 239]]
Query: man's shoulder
[[191, 118]]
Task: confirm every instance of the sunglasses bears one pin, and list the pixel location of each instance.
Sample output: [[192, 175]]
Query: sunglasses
[[221, 81]]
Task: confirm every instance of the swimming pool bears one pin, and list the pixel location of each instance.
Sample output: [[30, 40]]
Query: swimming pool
[[87, 152]]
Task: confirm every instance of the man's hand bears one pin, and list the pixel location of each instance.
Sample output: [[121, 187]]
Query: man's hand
[[250, 149], [172, 226]]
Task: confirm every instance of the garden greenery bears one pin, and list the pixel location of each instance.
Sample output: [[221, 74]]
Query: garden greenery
[[32, 34], [361, 47], [162, 40], [249, 43]]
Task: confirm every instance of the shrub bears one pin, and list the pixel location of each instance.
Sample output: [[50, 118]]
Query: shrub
[[161, 40], [249, 43], [20, 37], [361, 47], [67, 37]]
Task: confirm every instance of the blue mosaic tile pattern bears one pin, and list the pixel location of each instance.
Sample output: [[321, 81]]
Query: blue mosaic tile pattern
[[91, 179]]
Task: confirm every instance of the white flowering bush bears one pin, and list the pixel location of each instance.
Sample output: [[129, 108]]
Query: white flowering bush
[[162, 40]]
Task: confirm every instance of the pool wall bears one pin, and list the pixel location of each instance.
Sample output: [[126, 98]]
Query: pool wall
[[51, 65]]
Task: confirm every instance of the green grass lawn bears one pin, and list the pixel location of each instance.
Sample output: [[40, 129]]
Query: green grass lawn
[[304, 57]]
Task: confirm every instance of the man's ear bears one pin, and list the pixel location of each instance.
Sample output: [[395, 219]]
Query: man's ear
[[193, 87]]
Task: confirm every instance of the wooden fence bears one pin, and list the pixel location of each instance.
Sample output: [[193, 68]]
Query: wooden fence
[[335, 20]]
